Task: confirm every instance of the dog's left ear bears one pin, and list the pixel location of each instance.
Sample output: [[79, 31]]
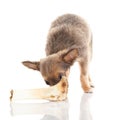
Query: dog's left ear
[[32, 65], [70, 56]]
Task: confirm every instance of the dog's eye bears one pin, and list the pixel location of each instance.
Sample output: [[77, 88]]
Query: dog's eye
[[47, 82], [60, 76]]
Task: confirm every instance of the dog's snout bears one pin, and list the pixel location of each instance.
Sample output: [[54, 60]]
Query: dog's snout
[[54, 81], [51, 82], [48, 83]]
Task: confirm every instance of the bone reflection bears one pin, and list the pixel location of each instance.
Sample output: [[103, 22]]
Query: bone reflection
[[50, 110], [85, 113]]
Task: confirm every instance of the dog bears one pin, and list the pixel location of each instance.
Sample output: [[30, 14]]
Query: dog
[[69, 39]]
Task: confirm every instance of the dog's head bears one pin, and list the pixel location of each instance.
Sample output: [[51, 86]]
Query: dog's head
[[54, 66]]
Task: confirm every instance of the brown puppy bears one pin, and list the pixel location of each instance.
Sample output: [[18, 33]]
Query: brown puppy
[[69, 40]]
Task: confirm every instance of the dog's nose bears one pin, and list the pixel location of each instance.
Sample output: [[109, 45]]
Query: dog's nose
[[54, 82], [47, 82]]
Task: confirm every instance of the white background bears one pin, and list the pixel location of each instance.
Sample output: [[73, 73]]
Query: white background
[[24, 25]]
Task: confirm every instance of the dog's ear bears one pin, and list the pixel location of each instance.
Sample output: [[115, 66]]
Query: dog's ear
[[70, 55], [32, 65]]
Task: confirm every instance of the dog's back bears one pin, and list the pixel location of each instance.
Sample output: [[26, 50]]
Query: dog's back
[[66, 31]]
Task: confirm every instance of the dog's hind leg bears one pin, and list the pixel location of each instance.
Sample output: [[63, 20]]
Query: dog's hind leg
[[84, 77]]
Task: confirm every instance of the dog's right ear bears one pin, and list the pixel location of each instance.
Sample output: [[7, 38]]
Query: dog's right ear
[[32, 65], [70, 55]]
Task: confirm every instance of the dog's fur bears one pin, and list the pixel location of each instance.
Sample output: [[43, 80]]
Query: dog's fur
[[69, 40]]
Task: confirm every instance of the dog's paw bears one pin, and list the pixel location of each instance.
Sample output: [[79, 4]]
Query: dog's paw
[[88, 89]]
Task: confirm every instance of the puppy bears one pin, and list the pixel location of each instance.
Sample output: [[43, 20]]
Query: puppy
[[69, 39]]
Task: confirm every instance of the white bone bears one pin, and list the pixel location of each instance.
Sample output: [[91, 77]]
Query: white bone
[[57, 92]]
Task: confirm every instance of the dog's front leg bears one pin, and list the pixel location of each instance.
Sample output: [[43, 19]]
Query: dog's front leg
[[84, 77]]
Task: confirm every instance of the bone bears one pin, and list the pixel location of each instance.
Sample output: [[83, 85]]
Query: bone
[[57, 92]]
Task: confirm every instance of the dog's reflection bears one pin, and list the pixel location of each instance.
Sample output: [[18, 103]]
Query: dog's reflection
[[85, 112], [50, 110]]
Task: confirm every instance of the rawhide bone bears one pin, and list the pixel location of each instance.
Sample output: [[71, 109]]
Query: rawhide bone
[[57, 92]]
